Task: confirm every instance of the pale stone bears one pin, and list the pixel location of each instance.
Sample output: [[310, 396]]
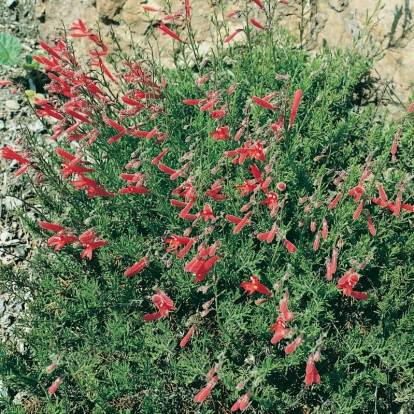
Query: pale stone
[[12, 105], [322, 22]]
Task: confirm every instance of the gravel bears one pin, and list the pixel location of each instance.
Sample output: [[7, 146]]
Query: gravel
[[17, 17]]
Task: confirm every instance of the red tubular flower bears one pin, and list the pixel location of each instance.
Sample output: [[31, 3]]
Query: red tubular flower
[[371, 225], [335, 201], [169, 32], [133, 189], [347, 282], [90, 247], [240, 222], [259, 3], [207, 213], [188, 335], [9, 154], [60, 240], [221, 133], [312, 375], [255, 286], [51, 226], [295, 104], [290, 246], [205, 267], [248, 187], [293, 345], [269, 235], [177, 241], [137, 267], [324, 228], [241, 403], [261, 101], [288, 316], [279, 329], [231, 37], [53, 388], [256, 23], [203, 394], [164, 305], [271, 202]]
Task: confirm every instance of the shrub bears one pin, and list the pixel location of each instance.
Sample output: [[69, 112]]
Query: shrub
[[241, 225]]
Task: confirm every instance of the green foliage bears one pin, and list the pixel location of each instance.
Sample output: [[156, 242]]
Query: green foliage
[[10, 49], [92, 321]]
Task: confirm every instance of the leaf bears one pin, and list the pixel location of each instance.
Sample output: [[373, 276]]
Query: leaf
[[10, 49]]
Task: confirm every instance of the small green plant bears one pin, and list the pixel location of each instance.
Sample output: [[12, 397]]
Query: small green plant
[[10, 49], [230, 235]]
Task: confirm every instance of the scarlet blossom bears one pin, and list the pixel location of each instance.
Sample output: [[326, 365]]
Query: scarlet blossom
[[312, 375], [259, 3], [89, 247], [248, 187], [152, 9], [256, 23], [188, 335], [288, 316], [53, 388], [335, 201], [51, 226], [203, 394], [241, 403], [255, 286], [164, 305], [290, 246], [279, 329], [293, 345], [261, 102], [255, 151], [200, 266], [347, 283], [169, 32], [137, 267], [133, 189], [295, 104], [218, 114], [221, 133], [281, 186], [277, 128], [91, 187], [271, 202], [240, 222], [60, 240], [207, 213], [269, 235], [324, 228], [231, 37], [356, 192], [216, 188], [371, 227], [9, 154], [177, 241], [50, 368]]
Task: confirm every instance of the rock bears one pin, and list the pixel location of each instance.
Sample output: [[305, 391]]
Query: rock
[[332, 22], [338, 5], [5, 321], [12, 105], [2, 306], [37, 126], [11, 203], [11, 4]]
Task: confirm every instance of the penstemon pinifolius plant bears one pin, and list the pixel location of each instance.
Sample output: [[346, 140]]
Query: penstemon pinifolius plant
[[234, 234]]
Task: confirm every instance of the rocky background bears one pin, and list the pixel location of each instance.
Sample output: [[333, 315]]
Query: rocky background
[[376, 27], [384, 31]]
